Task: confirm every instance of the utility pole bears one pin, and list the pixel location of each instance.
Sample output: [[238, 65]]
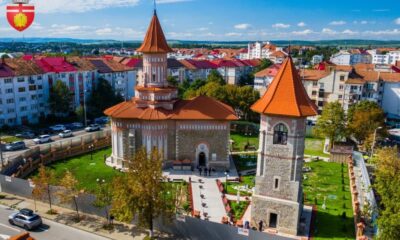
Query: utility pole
[[1, 153]]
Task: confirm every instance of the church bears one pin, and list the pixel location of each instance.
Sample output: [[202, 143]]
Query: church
[[188, 133]]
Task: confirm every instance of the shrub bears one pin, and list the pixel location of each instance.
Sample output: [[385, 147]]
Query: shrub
[[344, 215], [52, 212]]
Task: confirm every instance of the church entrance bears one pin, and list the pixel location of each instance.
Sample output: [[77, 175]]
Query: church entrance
[[202, 159], [273, 219]]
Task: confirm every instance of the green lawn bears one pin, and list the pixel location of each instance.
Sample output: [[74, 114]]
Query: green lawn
[[245, 161], [315, 147], [241, 140], [86, 170], [325, 180], [246, 180], [238, 209]]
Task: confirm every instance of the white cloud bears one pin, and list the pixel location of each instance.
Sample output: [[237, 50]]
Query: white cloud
[[304, 32], [328, 31], [349, 32], [380, 10], [233, 34], [383, 32], [397, 21], [337, 23], [280, 25], [242, 26], [364, 22], [202, 29], [63, 6], [104, 31], [301, 24]]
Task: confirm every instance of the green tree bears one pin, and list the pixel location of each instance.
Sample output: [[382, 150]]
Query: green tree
[[103, 97], [42, 183], [215, 76], [332, 123], [80, 113], [363, 118], [69, 191], [247, 79], [142, 191], [387, 185], [265, 63], [104, 196], [60, 98], [172, 81]]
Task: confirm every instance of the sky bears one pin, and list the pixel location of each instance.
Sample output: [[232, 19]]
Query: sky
[[220, 20]]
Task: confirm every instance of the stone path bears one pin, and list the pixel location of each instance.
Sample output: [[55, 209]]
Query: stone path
[[211, 202]]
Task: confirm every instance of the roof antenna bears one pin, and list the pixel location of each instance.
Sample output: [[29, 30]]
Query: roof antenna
[[155, 7]]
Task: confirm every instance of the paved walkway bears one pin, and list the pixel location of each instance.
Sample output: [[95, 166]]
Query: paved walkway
[[211, 202]]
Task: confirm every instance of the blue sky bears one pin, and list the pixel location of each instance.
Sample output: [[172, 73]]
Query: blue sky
[[214, 19]]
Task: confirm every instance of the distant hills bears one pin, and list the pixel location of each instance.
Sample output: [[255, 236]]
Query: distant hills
[[342, 43]]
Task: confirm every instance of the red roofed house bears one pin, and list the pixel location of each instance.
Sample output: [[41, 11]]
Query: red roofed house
[[263, 78], [188, 133], [284, 108]]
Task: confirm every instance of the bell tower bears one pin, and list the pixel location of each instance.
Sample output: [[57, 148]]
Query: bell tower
[[154, 91], [284, 108]]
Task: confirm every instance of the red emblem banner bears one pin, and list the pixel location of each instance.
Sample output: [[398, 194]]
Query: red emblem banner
[[20, 16]]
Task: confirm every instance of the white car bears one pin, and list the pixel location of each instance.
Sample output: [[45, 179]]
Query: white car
[[42, 139], [65, 134], [57, 128]]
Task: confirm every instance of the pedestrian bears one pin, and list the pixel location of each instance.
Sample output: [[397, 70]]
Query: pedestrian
[[260, 226], [247, 225], [205, 171], [209, 172], [200, 170]]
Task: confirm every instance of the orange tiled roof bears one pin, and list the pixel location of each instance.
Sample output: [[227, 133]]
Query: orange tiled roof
[[312, 74], [199, 108], [343, 68], [286, 95], [154, 41]]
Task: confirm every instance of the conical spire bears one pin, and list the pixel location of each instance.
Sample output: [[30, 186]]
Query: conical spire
[[154, 41], [286, 95]]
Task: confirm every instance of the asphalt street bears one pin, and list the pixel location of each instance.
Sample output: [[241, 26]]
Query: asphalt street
[[48, 231]]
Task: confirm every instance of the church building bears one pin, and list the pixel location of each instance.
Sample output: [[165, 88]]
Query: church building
[[188, 133], [284, 108]]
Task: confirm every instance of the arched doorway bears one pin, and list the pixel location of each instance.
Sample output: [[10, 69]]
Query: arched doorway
[[202, 159]]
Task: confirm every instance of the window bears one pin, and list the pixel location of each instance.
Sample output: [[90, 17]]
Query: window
[[32, 87], [10, 100], [314, 93], [340, 96], [315, 84], [21, 79], [8, 80], [276, 183], [280, 134], [23, 109], [21, 89], [342, 78], [10, 110], [22, 99], [340, 87], [40, 87], [9, 90]]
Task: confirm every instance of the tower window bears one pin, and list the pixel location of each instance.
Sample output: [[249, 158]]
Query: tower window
[[280, 134], [153, 78], [276, 183]]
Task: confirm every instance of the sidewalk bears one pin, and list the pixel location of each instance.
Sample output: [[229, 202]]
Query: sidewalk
[[89, 223]]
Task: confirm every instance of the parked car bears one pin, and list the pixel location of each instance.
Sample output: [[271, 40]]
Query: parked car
[[25, 218], [65, 134], [92, 128], [26, 135], [17, 145], [102, 120], [42, 139], [57, 128], [77, 125]]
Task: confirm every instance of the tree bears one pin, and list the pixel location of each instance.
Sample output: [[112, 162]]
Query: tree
[[247, 79], [60, 98], [172, 81], [387, 185], [103, 97], [215, 76], [142, 191], [332, 123], [80, 113], [69, 191], [363, 118], [42, 185], [104, 198], [265, 63]]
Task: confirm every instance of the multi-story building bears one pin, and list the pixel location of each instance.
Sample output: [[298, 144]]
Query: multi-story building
[[263, 78], [317, 59], [259, 50], [384, 57], [24, 92]]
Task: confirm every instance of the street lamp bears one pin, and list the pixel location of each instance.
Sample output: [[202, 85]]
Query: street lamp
[[91, 147], [374, 140], [226, 181], [1, 153]]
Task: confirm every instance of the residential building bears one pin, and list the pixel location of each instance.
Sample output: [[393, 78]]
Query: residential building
[[263, 78], [317, 59]]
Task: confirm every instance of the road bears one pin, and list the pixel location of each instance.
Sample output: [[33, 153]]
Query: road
[[49, 231], [30, 144]]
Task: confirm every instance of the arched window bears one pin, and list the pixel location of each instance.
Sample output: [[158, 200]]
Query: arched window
[[280, 134]]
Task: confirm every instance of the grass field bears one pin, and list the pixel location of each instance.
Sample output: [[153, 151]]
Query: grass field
[[315, 147], [238, 209], [247, 180], [241, 140], [325, 181], [85, 170]]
